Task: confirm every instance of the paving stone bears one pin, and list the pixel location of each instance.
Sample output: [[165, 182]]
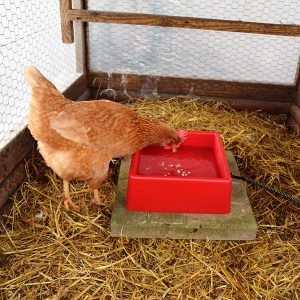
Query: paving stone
[[239, 224]]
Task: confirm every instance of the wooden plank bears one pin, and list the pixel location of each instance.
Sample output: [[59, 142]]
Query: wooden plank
[[85, 95], [297, 84], [66, 24], [295, 112], [293, 125], [239, 104], [75, 90], [5, 211], [80, 40], [11, 182], [264, 106], [292, 122], [182, 22], [297, 96], [14, 152], [198, 87]]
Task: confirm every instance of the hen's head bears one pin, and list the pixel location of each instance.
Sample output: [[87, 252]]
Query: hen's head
[[175, 139], [156, 132]]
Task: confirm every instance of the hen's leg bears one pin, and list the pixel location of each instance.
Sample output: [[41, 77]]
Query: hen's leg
[[67, 199], [97, 198], [95, 184]]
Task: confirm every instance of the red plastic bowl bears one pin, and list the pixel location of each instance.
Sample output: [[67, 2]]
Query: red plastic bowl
[[195, 179]]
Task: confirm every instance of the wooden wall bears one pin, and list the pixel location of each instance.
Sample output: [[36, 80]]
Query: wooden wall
[[271, 98]]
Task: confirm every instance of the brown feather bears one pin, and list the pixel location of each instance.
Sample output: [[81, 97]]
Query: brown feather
[[78, 139]]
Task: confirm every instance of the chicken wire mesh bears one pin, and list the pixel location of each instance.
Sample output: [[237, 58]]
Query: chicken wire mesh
[[197, 53], [29, 34], [193, 53]]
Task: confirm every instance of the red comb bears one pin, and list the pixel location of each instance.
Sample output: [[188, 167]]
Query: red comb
[[182, 134]]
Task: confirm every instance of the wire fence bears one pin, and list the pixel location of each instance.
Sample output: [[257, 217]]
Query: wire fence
[[29, 34], [197, 53], [271, 11]]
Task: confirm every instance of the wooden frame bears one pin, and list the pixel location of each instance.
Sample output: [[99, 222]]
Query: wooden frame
[[268, 97], [68, 15], [66, 25], [199, 87], [272, 98]]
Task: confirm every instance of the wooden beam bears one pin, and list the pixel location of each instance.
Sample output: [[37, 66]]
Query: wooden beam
[[66, 24], [295, 112], [75, 90], [297, 97], [198, 87], [11, 182], [293, 125], [292, 121], [297, 83], [14, 152], [239, 104], [273, 107], [181, 22]]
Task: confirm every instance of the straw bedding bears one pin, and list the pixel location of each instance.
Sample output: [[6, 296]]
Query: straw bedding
[[49, 253]]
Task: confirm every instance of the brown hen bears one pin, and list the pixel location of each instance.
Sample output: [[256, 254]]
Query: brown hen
[[78, 139]]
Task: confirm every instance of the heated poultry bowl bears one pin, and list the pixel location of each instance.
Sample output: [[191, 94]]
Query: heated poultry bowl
[[195, 179]]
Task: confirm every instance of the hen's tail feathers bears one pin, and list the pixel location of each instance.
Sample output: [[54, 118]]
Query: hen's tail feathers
[[35, 78]]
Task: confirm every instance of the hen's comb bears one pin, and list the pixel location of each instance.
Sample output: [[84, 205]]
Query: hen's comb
[[182, 134]]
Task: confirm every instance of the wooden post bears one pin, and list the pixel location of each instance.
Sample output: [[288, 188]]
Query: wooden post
[[66, 25], [294, 118], [297, 85], [80, 40], [295, 112]]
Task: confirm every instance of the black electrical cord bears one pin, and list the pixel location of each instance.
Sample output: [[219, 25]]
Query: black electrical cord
[[267, 187]]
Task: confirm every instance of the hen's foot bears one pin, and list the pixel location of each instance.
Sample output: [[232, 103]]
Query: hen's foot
[[68, 203], [97, 199], [67, 199]]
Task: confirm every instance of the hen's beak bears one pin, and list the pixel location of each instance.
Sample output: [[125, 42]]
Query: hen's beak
[[174, 149]]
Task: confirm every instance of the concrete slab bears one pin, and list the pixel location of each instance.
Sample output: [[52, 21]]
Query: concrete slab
[[240, 224]]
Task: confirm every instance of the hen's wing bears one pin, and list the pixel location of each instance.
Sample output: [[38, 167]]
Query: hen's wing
[[95, 123]]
